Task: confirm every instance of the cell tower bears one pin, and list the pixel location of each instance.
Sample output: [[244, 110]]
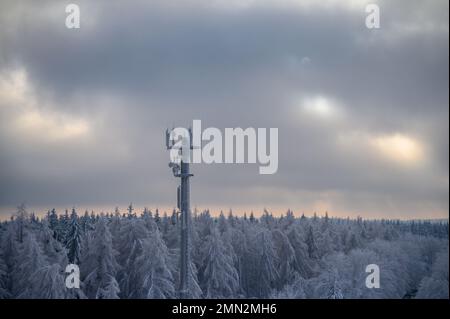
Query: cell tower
[[181, 169]]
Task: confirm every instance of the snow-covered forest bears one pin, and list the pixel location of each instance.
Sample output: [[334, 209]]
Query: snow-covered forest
[[136, 255]]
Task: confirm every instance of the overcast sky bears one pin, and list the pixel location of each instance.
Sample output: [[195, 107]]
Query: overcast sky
[[362, 113]]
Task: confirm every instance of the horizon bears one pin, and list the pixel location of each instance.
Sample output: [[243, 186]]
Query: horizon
[[6, 215]]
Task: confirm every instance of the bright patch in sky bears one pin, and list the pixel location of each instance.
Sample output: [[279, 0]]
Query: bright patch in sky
[[33, 117], [301, 4], [398, 147], [319, 106], [12, 87], [52, 126]]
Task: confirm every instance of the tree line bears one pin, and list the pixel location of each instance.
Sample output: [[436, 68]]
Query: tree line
[[129, 255]]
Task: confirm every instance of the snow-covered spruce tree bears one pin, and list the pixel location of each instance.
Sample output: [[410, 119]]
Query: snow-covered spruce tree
[[396, 279], [110, 290], [219, 278], [229, 247], [252, 218], [131, 232], [195, 243], [416, 266], [267, 273], [99, 266], [193, 283], [148, 220], [436, 285], [303, 263], [46, 282], [286, 258], [329, 286], [130, 281], [171, 239], [248, 253], [63, 226], [205, 223], [294, 290], [157, 218], [129, 247], [21, 218], [222, 223], [352, 242], [268, 220], [4, 280], [52, 249], [155, 269], [73, 239], [311, 243], [10, 249], [53, 222], [115, 225], [85, 222], [29, 260], [194, 290], [171, 233], [325, 242], [236, 241], [352, 276]]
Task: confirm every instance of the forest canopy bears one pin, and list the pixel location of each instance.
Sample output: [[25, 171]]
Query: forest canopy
[[126, 255]]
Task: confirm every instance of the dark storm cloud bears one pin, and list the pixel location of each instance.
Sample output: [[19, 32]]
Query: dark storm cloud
[[131, 70]]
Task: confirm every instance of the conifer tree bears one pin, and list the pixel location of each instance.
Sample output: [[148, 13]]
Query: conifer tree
[[73, 239], [267, 271], [219, 278], [29, 259], [155, 269], [311, 243], [99, 266]]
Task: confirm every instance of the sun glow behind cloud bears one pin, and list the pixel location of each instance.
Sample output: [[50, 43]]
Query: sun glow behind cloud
[[297, 4], [399, 148], [394, 148], [320, 107], [51, 126], [33, 118]]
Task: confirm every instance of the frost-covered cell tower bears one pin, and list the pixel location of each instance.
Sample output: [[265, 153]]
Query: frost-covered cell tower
[[181, 169]]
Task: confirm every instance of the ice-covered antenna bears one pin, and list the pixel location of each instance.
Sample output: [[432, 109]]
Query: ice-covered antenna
[[181, 170], [168, 145]]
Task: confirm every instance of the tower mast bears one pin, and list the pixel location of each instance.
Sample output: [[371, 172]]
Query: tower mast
[[181, 169]]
